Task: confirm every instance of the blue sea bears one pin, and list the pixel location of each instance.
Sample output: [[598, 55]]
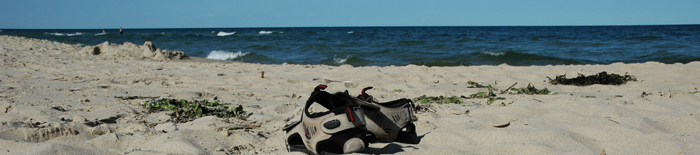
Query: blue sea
[[431, 46]]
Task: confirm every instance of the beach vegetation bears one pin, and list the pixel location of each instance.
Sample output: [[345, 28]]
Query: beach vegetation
[[695, 92], [493, 99], [438, 99], [601, 78], [184, 110], [477, 85], [589, 96], [490, 96], [481, 94], [487, 95], [398, 90], [530, 90]]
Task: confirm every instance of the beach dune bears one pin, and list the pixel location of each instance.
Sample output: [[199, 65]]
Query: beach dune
[[58, 98]]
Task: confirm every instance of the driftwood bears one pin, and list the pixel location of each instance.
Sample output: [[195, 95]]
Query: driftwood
[[506, 90], [134, 97]]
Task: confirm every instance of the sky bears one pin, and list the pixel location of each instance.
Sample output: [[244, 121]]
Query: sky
[[110, 14]]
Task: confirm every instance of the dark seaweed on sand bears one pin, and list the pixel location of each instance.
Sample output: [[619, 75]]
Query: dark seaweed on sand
[[530, 90], [600, 78], [487, 95], [437, 99], [185, 111]]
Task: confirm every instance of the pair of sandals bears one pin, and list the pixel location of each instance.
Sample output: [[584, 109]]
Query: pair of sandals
[[350, 123]]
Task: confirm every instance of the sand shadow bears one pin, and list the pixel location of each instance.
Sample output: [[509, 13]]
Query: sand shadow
[[394, 147], [110, 120]]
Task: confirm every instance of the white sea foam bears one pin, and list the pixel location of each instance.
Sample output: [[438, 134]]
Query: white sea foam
[[74, 34], [493, 53], [222, 33], [340, 60], [79, 44], [265, 32], [68, 34], [351, 32], [99, 34], [225, 55]]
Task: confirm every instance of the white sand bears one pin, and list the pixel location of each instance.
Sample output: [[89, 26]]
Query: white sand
[[60, 99]]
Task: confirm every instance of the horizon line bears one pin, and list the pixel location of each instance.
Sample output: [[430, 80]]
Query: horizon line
[[348, 27]]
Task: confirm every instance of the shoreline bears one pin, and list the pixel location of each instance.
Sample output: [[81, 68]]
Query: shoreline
[[55, 98]]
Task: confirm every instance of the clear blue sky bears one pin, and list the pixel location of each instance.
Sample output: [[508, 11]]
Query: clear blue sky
[[99, 14]]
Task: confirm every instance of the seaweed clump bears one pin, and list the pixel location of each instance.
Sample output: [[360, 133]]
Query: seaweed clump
[[490, 96], [530, 90], [438, 99], [600, 78], [487, 95], [185, 111], [477, 85]]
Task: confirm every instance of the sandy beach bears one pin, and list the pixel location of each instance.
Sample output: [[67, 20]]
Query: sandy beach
[[59, 98]]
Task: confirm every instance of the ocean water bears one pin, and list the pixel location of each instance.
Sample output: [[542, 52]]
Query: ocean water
[[431, 46]]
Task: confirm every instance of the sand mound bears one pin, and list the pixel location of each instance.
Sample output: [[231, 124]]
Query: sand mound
[[130, 50], [15, 46]]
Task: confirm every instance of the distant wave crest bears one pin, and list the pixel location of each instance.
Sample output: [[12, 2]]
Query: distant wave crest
[[491, 53], [68, 34], [74, 34], [57, 34], [222, 33], [226, 55]]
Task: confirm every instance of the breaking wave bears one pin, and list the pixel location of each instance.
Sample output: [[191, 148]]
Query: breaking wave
[[226, 55], [222, 33]]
